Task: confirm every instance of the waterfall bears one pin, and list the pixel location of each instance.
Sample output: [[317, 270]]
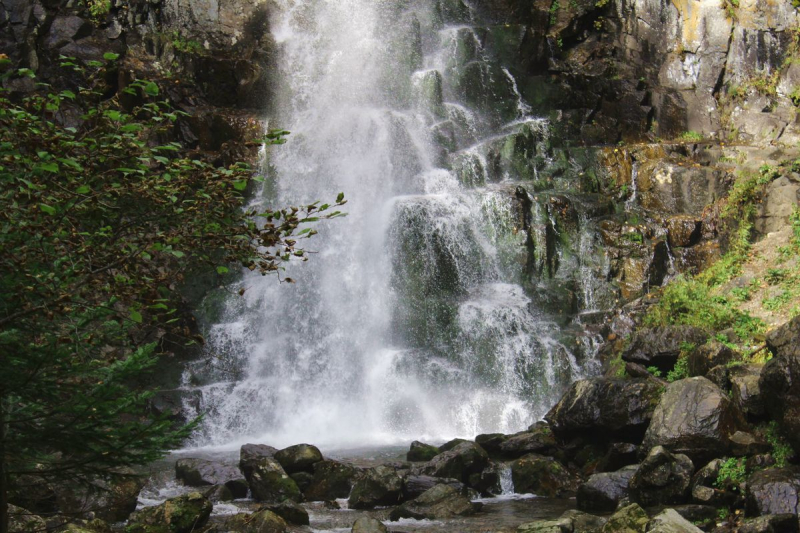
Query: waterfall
[[413, 319]]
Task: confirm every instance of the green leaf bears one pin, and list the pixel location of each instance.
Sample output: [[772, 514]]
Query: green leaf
[[240, 185], [151, 89], [48, 209], [110, 56], [340, 197], [222, 270], [83, 189], [136, 316]]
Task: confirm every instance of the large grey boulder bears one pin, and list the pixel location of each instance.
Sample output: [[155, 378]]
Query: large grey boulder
[[663, 478], [290, 511], [332, 480], [183, 514], [543, 476], [771, 523], [538, 439], [201, 473], [442, 501], [459, 463], [603, 408], [661, 346], [669, 521], [380, 485], [694, 417], [269, 482], [298, 458], [419, 451], [367, 524], [780, 380], [629, 519], [414, 485], [251, 454], [774, 491], [262, 521], [601, 493], [706, 356]]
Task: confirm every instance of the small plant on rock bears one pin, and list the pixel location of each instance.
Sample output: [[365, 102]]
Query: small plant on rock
[[731, 472]]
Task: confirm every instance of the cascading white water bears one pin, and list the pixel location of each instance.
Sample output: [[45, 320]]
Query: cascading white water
[[407, 323]]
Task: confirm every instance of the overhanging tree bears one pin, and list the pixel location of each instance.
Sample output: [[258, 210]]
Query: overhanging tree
[[99, 222]]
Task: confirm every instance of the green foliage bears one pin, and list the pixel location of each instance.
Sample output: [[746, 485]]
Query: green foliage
[[187, 46], [100, 222], [554, 7], [781, 450], [723, 513], [98, 9], [681, 368], [731, 471], [691, 136], [654, 370]]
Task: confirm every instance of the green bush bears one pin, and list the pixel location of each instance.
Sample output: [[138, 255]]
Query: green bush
[[731, 471]]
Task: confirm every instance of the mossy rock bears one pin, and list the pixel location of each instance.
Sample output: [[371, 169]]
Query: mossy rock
[[183, 514]]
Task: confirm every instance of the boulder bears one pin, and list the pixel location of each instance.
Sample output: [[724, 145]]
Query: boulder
[[218, 493], [602, 408], [601, 493], [298, 458], [303, 480], [559, 525], [420, 451], [112, 500], [183, 514], [332, 480], [683, 230], [23, 521], [251, 454], [414, 486], [449, 445], [745, 444], [288, 510], [780, 380], [486, 482], [200, 473], [261, 521], [583, 522], [380, 485], [772, 523], [703, 487], [706, 356], [774, 491], [270, 483], [629, 519], [669, 521], [459, 463], [663, 478], [539, 439], [694, 417], [367, 524], [618, 455], [543, 476], [66, 29], [439, 502], [746, 393], [491, 442], [661, 346]]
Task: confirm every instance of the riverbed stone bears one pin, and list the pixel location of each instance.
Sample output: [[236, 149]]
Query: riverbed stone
[[558, 525], [630, 519], [663, 478], [439, 502], [298, 458], [183, 514], [601, 493], [332, 480], [661, 346], [773, 523], [463, 460], [670, 521], [774, 491], [201, 472], [262, 521], [112, 500], [543, 476], [538, 439], [251, 454], [367, 524], [290, 511], [420, 451], [604, 408], [269, 482], [584, 522], [415, 485], [376, 486], [694, 417]]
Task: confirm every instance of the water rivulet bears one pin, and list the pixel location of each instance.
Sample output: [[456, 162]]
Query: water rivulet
[[449, 302]]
